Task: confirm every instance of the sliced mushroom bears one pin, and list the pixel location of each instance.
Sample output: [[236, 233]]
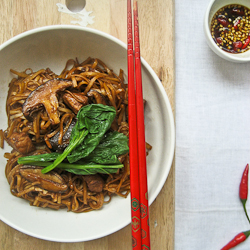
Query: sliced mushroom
[[45, 96], [50, 181], [65, 140], [75, 101], [99, 98]]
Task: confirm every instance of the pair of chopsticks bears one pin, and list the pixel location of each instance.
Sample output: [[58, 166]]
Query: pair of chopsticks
[[137, 146]]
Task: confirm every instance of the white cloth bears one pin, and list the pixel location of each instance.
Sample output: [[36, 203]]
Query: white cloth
[[212, 137]]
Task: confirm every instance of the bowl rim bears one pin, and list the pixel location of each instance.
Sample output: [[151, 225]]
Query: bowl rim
[[157, 82], [59, 26], [212, 44]]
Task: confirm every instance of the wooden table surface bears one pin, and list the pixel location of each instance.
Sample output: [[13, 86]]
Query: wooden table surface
[[157, 39]]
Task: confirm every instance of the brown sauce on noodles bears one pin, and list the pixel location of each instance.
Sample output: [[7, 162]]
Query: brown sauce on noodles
[[92, 82]]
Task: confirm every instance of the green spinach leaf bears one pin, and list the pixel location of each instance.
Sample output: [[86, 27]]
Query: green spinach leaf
[[83, 169], [97, 119], [91, 149], [38, 158], [111, 146], [93, 121]]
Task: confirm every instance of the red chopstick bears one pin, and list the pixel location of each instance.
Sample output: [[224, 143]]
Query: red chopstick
[[133, 154], [141, 137], [137, 148]]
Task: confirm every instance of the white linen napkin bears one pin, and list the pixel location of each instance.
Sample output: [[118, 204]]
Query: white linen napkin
[[212, 137]]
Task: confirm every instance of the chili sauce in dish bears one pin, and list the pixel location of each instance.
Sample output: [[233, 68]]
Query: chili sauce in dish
[[230, 28]]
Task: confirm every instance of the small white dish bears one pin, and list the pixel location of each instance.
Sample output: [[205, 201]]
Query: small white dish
[[212, 8], [52, 46]]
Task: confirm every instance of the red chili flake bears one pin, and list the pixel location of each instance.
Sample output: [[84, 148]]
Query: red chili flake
[[223, 21], [237, 45], [236, 240], [236, 24], [219, 40], [243, 192], [237, 11], [247, 41]]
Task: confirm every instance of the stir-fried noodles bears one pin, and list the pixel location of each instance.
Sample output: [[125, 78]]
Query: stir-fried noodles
[[38, 123]]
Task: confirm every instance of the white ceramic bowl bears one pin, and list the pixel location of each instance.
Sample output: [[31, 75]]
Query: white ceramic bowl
[[212, 8], [51, 47]]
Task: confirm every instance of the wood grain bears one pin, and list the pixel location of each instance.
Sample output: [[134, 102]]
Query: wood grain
[[157, 48]]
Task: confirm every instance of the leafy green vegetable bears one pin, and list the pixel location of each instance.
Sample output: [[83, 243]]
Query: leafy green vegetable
[[91, 149], [97, 119], [71, 146], [38, 158], [111, 146], [93, 121], [82, 169]]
